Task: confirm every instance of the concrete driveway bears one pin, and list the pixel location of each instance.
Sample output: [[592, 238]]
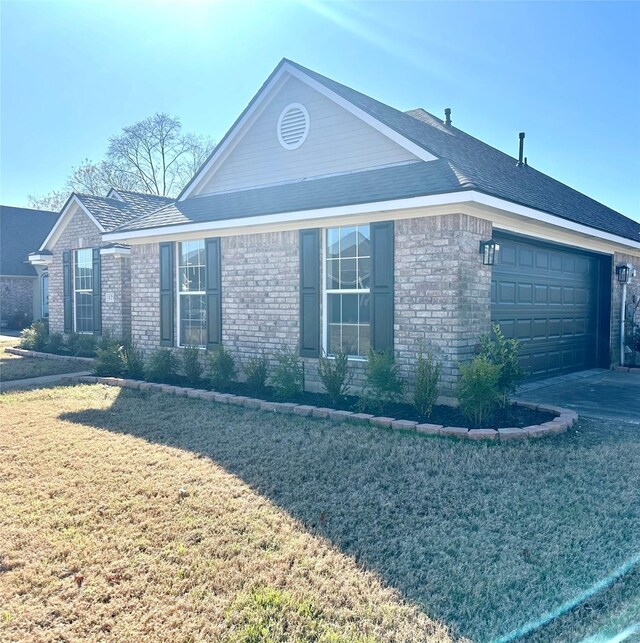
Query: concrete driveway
[[596, 393]]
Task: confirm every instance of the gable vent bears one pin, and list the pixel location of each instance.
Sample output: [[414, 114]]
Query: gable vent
[[293, 126]]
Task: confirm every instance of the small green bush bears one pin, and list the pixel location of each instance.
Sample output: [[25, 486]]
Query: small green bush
[[288, 375], [191, 365], [222, 369], [425, 392], [335, 376], [109, 360], [162, 367], [478, 391], [81, 345], [35, 337], [55, 344], [503, 353], [133, 361], [383, 386], [256, 371]]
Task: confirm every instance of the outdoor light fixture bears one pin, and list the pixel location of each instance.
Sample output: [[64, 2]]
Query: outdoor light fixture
[[622, 272], [488, 250]]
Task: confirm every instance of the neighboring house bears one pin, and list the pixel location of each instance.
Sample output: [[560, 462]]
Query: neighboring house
[[23, 287], [327, 221]]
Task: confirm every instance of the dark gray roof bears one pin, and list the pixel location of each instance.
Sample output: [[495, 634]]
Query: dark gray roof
[[473, 164], [22, 230], [112, 213], [384, 184]]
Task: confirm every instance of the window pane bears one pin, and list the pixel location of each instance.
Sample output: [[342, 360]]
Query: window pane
[[349, 309], [333, 243], [364, 332], [348, 241], [333, 309], [364, 244], [191, 266], [333, 342], [364, 309], [193, 320], [350, 339], [364, 273], [333, 278], [348, 274], [84, 312]]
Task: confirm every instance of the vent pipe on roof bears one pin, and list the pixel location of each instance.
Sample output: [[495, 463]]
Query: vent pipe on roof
[[521, 151], [447, 116]]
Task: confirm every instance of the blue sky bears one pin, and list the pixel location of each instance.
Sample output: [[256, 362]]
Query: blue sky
[[74, 73]]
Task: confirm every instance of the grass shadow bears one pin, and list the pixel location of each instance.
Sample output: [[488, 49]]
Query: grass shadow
[[484, 537]]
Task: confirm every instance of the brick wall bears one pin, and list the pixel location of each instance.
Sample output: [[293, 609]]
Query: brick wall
[[442, 293], [16, 297], [116, 295], [633, 290]]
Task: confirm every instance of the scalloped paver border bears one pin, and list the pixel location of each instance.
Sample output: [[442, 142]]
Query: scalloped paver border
[[565, 418]]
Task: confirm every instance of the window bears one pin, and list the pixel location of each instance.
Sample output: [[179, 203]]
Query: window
[[83, 290], [347, 282], [44, 295], [192, 301]]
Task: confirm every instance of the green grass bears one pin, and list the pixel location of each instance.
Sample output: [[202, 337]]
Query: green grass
[[15, 367], [482, 537]]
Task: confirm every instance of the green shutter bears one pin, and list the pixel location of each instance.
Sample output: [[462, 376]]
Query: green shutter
[[382, 285], [310, 293], [97, 296], [214, 292], [67, 289], [166, 294]]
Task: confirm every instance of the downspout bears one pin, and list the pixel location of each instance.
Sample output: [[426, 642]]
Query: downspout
[[622, 316]]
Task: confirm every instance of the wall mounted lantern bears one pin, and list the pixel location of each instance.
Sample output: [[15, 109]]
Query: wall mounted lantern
[[622, 272], [489, 250]]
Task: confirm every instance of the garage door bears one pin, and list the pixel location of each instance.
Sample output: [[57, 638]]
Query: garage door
[[546, 296]]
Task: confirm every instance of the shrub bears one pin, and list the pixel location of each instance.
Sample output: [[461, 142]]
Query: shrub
[[34, 338], [161, 367], [191, 365], [55, 344], [222, 369], [81, 345], [133, 361], [109, 360], [288, 375], [335, 376], [256, 371], [478, 391], [383, 385], [503, 353], [425, 393]]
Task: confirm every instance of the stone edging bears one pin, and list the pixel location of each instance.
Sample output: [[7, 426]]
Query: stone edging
[[565, 417], [627, 369], [25, 353]]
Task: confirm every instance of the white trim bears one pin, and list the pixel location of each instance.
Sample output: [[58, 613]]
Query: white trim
[[469, 200], [82, 290], [180, 294], [112, 192], [235, 134], [66, 214], [37, 259], [115, 251]]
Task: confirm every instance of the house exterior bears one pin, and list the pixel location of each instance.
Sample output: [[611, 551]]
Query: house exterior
[[327, 221], [23, 287]]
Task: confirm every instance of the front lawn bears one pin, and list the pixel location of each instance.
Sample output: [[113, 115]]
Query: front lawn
[[16, 367], [289, 527]]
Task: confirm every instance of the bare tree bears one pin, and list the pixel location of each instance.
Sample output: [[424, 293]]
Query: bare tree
[[152, 156]]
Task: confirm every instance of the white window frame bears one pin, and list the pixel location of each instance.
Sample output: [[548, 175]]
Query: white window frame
[[324, 344], [180, 293], [82, 290]]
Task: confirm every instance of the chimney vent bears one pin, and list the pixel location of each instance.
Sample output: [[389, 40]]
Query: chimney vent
[[447, 116], [521, 150]]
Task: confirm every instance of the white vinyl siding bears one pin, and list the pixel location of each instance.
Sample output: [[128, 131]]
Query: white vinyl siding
[[337, 142], [83, 290], [192, 303]]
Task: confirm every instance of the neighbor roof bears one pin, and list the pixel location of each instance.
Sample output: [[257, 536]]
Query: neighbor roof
[[22, 230], [464, 163]]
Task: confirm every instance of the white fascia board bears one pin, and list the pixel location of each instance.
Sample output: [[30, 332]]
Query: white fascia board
[[63, 219], [116, 252], [469, 197], [258, 106], [38, 259]]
